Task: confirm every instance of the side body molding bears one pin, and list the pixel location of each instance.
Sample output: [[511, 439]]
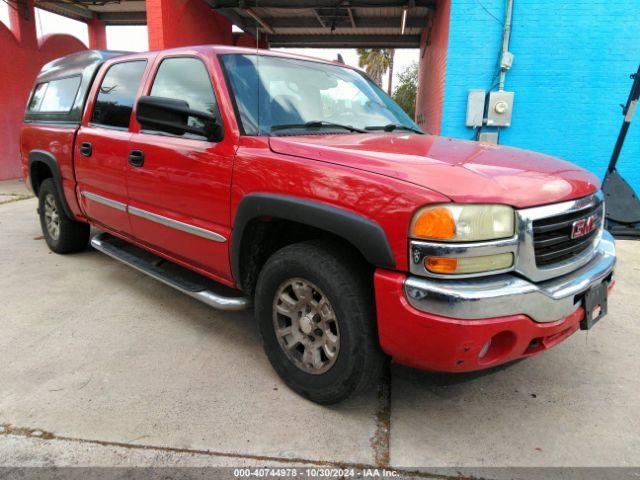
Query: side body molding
[[365, 234], [41, 156]]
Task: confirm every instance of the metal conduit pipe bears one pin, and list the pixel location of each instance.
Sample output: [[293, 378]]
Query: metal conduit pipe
[[506, 35]]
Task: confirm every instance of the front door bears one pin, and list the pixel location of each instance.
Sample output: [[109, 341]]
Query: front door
[[180, 186], [102, 147]]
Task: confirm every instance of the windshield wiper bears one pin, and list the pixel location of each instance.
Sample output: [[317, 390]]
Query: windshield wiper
[[393, 126], [316, 124]]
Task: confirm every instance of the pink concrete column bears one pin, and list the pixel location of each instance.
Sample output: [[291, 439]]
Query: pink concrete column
[[179, 23], [23, 24], [97, 34], [432, 69], [22, 55]]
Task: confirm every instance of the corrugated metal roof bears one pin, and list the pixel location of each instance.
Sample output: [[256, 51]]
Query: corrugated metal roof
[[113, 12], [327, 23], [343, 23]]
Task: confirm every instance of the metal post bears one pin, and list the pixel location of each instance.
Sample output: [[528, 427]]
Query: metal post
[[628, 111], [623, 205], [506, 36]]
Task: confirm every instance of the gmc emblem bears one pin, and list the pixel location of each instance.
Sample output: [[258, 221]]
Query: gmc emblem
[[583, 226]]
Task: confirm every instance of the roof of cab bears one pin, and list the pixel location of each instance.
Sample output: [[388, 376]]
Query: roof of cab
[[226, 49], [78, 63], [86, 63]]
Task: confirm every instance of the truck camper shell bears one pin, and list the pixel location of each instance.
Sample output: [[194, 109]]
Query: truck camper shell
[[73, 75]]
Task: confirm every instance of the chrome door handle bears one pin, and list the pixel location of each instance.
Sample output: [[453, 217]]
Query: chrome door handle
[[136, 158], [86, 149]]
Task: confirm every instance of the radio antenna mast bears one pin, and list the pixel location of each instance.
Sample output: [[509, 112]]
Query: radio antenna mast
[[258, 70]]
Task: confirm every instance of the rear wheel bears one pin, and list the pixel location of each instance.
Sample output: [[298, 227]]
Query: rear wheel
[[314, 305], [62, 234]]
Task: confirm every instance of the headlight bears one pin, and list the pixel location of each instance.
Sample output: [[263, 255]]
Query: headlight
[[463, 223]]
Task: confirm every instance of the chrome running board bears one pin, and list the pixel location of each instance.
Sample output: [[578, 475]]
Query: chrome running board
[[182, 279]]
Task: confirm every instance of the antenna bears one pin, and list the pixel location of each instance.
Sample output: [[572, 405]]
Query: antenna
[[258, 70]]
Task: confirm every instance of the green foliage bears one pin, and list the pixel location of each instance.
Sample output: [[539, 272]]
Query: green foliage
[[405, 92], [375, 61]]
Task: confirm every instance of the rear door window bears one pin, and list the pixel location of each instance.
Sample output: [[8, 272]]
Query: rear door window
[[56, 96], [117, 94]]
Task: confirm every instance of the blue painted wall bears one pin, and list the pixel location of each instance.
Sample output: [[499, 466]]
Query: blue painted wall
[[570, 73]]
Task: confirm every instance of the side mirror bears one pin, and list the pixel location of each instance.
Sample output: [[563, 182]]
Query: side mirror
[[172, 116]]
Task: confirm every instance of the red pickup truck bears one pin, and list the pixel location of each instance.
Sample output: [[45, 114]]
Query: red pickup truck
[[296, 186]]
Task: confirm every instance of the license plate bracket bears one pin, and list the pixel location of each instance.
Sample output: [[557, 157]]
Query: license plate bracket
[[595, 305]]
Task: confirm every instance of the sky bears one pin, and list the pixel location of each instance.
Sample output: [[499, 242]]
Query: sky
[[134, 38], [4, 13]]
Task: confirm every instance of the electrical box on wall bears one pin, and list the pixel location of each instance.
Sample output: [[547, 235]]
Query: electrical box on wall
[[475, 108], [499, 109]]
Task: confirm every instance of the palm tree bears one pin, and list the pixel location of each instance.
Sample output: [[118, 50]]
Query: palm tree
[[392, 54], [377, 61]]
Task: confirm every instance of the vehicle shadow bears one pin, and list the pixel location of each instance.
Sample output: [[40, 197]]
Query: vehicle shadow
[[235, 332], [239, 331], [445, 379], [423, 385]]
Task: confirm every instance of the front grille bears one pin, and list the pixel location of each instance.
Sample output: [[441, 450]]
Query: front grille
[[552, 236]]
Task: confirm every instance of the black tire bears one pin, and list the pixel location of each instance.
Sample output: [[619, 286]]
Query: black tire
[[71, 236], [347, 284]]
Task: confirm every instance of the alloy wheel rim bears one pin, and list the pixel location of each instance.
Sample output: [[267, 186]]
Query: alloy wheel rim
[[51, 217], [306, 326]]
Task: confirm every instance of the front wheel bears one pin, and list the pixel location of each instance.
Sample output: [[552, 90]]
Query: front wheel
[[314, 306], [62, 234]]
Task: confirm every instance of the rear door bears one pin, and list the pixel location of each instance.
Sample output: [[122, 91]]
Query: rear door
[[179, 189], [102, 145]]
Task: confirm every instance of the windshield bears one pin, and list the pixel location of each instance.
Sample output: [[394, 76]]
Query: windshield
[[283, 96]]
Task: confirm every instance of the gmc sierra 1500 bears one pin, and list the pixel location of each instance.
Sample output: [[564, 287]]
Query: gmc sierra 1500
[[245, 177]]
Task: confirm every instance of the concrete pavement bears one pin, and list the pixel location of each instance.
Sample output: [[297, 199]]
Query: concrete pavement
[[101, 365], [13, 190]]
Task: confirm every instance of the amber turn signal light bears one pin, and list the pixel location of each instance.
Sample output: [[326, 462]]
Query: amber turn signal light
[[461, 265], [436, 223], [441, 264]]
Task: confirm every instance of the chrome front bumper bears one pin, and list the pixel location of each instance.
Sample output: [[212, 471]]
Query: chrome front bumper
[[509, 294]]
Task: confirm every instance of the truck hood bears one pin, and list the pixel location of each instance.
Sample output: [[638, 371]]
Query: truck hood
[[462, 170]]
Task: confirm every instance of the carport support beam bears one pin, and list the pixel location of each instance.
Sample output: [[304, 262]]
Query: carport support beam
[[97, 34], [432, 69], [199, 24], [22, 24]]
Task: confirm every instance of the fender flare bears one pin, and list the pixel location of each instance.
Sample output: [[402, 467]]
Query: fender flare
[[364, 234], [41, 156]]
